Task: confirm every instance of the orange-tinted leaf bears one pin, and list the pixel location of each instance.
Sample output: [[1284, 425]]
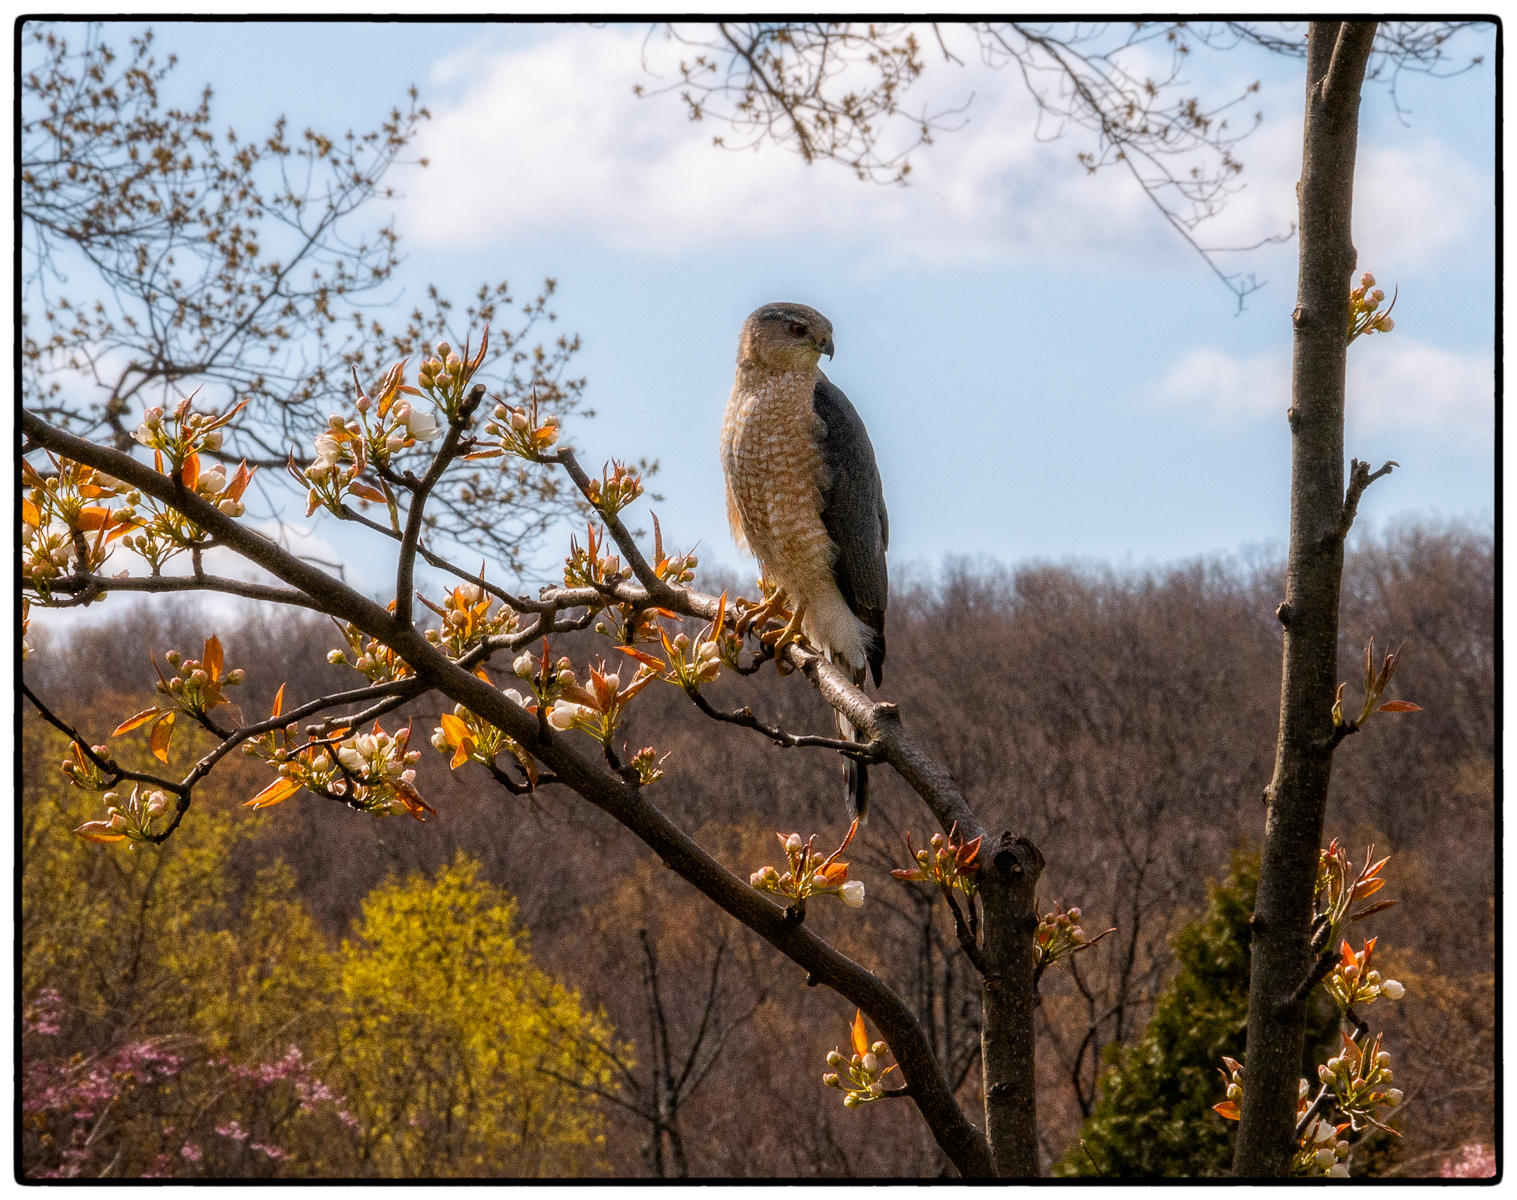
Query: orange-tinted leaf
[[1368, 888], [1396, 706], [189, 474], [636, 686], [645, 659], [453, 728], [239, 482], [93, 516], [277, 792], [99, 831], [482, 673], [411, 798], [211, 658], [860, 1034], [364, 492], [131, 723], [1378, 906], [30, 513], [1228, 1109], [158, 742], [461, 754], [278, 702], [835, 872]]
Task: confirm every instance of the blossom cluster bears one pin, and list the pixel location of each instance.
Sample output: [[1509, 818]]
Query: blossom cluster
[[67, 522], [129, 818], [1353, 981], [1364, 315], [467, 619], [809, 874], [194, 688], [445, 377], [617, 487], [949, 862], [519, 432], [372, 772], [466, 737], [861, 1075], [370, 657]]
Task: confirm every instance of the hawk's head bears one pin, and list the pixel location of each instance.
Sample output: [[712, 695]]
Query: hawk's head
[[785, 337]]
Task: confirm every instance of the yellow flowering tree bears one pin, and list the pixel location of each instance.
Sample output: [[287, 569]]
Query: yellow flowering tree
[[457, 1041]]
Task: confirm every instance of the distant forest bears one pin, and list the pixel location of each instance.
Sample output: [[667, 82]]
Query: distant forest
[[518, 987]]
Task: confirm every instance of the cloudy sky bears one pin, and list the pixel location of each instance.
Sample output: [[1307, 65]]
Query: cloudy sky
[[1046, 370]]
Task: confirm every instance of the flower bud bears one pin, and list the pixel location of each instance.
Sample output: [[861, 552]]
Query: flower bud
[[1393, 1096], [793, 844], [851, 1100], [852, 893], [439, 741], [1324, 1073], [336, 657], [443, 349], [1337, 1171], [1392, 989], [831, 1080], [1325, 1157], [525, 666], [834, 1059], [1367, 280], [172, 658]]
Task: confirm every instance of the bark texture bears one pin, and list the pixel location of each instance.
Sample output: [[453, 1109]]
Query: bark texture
[[1008, 883], [1337, 55]]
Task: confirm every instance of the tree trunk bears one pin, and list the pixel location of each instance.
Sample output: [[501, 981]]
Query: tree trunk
[[1337, 54], [1008, 883]]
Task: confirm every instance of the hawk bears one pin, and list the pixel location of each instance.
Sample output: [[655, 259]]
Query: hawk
[[804, 495]]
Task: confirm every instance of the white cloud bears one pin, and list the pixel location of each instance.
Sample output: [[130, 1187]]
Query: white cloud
[[1223, 388], [1395, 384], [550, 140], [1400, 384], [547, 139]]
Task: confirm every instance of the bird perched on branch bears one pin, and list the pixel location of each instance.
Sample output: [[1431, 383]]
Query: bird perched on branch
[[804, 495]]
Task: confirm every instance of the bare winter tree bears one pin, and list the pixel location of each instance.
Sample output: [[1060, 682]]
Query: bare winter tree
[[162, 252]]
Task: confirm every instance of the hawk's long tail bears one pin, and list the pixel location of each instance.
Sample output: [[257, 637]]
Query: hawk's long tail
[[855, 773]]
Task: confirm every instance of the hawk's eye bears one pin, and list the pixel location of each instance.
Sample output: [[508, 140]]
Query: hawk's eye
[[797, 329]]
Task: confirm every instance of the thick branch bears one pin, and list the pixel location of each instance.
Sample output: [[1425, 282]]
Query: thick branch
[[964, 1145]]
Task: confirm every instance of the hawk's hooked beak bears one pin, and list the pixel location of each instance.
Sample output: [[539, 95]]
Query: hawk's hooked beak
[[825, 346]]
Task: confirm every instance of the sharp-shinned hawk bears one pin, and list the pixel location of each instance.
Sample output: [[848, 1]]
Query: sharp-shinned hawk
[[804, 495]]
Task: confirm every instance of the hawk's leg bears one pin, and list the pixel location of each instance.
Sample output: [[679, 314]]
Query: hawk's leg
[[768, 609], [778, 639]]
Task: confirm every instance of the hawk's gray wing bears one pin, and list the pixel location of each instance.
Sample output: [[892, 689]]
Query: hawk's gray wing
[[853, 513]]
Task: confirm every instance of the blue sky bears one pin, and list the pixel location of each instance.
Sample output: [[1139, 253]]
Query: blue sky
[[1045, 369]]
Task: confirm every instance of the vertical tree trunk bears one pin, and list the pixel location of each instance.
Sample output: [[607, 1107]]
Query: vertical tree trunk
[[1337, 54], [1007, 886]]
